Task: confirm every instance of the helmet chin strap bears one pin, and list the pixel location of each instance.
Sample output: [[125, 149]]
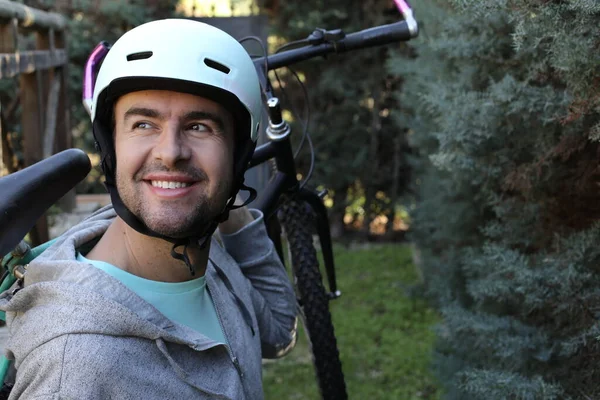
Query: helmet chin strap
[[183, 256], [200, 239], [200, 235]]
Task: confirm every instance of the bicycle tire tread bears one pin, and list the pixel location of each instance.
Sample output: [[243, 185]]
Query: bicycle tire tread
[[315, 302]]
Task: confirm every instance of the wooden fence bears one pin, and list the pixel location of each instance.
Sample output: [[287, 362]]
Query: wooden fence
[[40, 65]]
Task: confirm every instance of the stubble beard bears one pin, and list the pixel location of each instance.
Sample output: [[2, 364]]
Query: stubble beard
[[169, 220]]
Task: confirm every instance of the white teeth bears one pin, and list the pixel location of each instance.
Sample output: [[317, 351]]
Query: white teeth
[[169, 184]]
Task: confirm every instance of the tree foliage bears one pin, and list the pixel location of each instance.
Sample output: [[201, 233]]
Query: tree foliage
[[359, 143], [504, 106]]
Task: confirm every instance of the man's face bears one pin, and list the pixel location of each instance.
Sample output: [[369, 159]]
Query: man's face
[[174, 158]]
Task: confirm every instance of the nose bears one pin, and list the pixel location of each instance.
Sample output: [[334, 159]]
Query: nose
[[171, 146]]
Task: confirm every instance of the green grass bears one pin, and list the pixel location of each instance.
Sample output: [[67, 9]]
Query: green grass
[[384, 336]]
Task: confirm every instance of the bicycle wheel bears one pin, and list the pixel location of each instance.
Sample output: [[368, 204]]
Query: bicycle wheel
[[297, 223]]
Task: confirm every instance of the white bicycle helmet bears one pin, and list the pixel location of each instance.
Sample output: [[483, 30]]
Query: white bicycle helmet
[[184, 56]]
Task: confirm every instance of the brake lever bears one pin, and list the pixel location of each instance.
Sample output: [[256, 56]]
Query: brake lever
[[320, 36]]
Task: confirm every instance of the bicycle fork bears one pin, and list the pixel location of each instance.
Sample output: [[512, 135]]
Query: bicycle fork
[[315, 201], [278, 132]]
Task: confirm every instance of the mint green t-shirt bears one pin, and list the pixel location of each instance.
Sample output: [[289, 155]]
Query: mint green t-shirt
[[188, 303]]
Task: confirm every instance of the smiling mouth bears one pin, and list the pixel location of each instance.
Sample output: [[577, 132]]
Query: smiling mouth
[[170, 184]]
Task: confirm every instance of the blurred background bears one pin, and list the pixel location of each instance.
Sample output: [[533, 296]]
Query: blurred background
[[462, 170]]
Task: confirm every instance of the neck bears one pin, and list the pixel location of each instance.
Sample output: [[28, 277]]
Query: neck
[[146, 256]]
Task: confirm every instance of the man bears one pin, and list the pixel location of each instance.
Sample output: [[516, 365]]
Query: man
[[137, 301]]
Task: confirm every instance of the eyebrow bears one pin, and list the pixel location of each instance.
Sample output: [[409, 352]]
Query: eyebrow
[[142, 112], [198, 115]]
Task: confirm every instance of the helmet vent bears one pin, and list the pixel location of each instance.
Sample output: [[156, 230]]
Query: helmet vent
[[216, 65], [142, 55]]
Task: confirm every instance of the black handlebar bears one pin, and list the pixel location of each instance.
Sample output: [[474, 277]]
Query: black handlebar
[[380, 35], [377, 36]]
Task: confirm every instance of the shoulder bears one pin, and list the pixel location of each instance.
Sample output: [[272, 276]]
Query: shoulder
[[37, 377], [78, 235], [87, 364]]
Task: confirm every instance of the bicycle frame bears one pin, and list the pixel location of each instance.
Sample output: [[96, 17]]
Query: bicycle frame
[[285, 178], [284, 181]]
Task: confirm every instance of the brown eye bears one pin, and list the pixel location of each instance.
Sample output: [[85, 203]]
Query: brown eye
[[199, 128], [141, 125]]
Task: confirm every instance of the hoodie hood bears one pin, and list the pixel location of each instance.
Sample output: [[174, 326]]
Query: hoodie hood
[[56, 285]]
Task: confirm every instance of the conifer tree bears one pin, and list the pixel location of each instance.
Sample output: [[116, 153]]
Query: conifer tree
[[503, 101]]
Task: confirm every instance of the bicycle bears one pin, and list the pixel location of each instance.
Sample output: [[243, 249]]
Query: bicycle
[[286, 202]]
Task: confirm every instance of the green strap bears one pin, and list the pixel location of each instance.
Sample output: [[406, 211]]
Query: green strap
[[30, 255], [8, 281], [11, 262], [4, 366]]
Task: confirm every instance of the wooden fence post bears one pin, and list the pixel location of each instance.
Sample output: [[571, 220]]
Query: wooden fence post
[[42, 93], [64, 138], [7, 45], [34, 92]]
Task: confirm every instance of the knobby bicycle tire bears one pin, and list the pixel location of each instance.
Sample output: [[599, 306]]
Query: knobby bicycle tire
[[296, 222]]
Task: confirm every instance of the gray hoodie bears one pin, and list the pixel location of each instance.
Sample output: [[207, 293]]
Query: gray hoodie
[[78, 333]]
